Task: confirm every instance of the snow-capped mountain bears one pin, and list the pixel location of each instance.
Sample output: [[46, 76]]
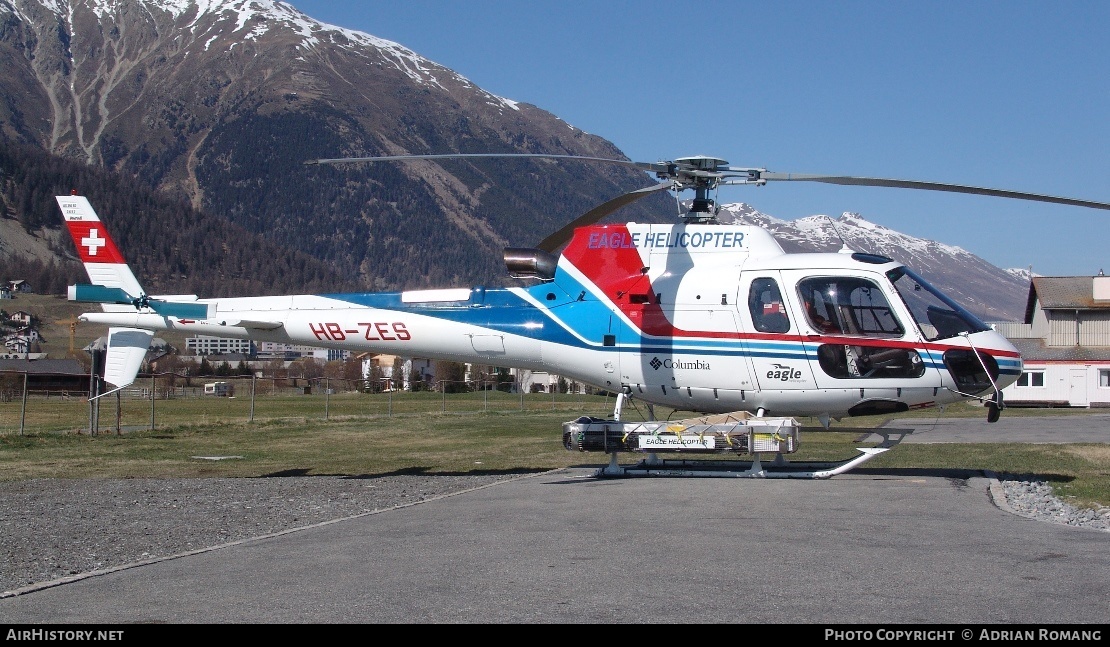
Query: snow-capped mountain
[[1022, 273]]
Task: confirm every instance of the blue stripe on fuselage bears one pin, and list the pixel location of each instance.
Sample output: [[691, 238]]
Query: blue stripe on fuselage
[[497, 309], [575, 318]]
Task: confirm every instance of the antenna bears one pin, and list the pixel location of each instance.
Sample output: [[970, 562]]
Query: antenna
[[844, 249]]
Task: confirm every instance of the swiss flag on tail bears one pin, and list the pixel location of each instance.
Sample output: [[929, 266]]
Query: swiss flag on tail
[[90, 236], [93, 243]]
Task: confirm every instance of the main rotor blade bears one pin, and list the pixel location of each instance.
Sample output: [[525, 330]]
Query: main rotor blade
[[645, 166], [557, 239], [929, 186]]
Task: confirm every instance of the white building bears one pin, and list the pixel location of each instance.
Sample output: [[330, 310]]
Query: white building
[[206, 345], [1064, 343], [278, 350], [525, 380], [21, 318], [385, 363]]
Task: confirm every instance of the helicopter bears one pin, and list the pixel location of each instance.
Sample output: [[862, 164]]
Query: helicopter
[[698, 316]]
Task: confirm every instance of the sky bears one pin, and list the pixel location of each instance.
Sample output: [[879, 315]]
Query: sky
[[1008, 94]]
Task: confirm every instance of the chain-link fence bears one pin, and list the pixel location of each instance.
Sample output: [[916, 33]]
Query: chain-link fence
[[166, 400]]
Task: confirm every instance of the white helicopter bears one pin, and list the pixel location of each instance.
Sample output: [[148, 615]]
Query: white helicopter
[[697, 316]]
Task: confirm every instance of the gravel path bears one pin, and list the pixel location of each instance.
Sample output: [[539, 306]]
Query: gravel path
[[52, 530], [58, 529]]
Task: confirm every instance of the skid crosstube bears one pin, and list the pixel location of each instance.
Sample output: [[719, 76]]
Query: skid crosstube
[[755, 468]]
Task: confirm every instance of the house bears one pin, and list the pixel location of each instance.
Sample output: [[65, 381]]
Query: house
[[19, 285], [48, 375], [20, 343], [1064, 343], [21, 318]]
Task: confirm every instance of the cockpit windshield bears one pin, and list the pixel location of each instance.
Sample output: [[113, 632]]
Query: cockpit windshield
[[936, 315]]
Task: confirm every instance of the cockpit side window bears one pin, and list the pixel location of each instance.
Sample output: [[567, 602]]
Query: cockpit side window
[[936, 315], [766, 306]]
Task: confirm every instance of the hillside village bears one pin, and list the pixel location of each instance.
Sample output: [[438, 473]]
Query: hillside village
[[19, 329]]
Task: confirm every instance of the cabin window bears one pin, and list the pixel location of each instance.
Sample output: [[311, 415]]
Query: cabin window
[[766, 306], [847, 305], [1104, 377], [1036, 378]]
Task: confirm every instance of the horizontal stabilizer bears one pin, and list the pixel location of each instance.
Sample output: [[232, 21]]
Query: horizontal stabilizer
[[185, 308], [87, 293], [126, 349]]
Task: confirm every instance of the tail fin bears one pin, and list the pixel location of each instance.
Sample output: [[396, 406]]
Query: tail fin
[[114, 286], [102, 259]]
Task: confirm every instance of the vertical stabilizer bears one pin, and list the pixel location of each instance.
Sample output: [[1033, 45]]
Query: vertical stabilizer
[[126, 349], [102, 259]]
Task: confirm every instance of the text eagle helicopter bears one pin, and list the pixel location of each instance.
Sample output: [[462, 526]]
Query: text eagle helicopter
[[696, 316]]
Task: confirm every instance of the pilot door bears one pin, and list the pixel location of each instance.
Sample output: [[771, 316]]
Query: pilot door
[[857, 336]]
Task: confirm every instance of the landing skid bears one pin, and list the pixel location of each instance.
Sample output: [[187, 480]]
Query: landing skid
[[776, 469], [734, 433]]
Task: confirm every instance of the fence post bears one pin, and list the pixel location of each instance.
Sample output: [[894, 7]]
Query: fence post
[[443, 391], [92, 391], [254, 378], [96, 409], [153, 388], [327, 395], [23, 409]]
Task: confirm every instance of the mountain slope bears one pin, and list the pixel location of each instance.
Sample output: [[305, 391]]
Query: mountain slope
[[221, 103], [173, 248]]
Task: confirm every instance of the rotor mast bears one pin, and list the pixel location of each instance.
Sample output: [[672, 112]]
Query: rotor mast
[[701, 175]]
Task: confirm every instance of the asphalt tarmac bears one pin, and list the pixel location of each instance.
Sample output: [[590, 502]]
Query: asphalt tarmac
[[865, 547], [1085, 428]]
